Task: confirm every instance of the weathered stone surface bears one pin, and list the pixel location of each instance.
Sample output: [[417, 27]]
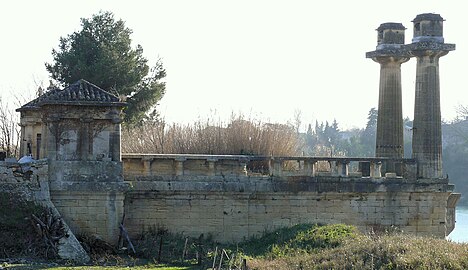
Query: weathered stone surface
[[428, 46], [390, 54], [197, 212], [235, 207], [91, 212]]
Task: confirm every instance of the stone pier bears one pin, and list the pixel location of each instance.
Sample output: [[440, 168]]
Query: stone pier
[[79, 128], [390, 54], [233, 197], [428, 46]]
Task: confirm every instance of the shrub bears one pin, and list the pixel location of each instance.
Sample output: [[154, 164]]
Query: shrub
[[394, 251], [299, 239]]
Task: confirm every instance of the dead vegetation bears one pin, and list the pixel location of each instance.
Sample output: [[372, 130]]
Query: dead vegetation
[[239, 136], [9, 130], [49, 229], [27, 229]]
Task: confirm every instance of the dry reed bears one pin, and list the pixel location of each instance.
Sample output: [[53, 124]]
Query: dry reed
[[239, 136]]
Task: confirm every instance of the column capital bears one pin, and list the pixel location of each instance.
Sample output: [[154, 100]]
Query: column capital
[[391, 54], [428, 46]]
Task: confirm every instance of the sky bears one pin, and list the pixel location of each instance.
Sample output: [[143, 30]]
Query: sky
[[268, 60]]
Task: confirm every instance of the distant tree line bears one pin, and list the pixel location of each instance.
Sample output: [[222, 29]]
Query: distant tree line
[[327, 139], [455, 152]]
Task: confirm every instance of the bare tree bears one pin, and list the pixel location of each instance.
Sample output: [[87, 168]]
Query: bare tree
[[9, 130], [462, 113]]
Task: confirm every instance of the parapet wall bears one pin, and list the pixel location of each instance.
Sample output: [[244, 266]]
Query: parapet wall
[[233, 197], [26, 180]]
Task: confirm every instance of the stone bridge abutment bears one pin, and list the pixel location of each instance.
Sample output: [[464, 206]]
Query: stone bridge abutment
[[220, 195], [233, 197]]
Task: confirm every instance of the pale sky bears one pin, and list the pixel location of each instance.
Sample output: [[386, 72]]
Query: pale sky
[[266, 59]]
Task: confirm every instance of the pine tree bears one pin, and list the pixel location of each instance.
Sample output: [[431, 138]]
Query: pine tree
[[101, 53]]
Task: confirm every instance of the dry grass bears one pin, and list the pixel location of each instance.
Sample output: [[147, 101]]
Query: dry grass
[[377, 252], [305, 246], [239, 136]]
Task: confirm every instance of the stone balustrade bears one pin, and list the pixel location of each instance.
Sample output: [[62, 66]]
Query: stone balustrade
[[176, 165]]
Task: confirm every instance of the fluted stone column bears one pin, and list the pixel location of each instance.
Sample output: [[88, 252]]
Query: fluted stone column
[[389, 139], [428, 46], [390, 54]]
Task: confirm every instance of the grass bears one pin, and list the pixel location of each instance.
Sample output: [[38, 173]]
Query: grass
[[298, 239], [145, 267], [339, 246], [304, 246], [394, 251]]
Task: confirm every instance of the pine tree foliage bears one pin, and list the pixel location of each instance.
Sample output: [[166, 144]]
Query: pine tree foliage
[[101, 52]]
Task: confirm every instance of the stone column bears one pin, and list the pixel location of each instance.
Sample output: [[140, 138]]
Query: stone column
[[115, 135], [427, 130], [179, 166], [84, 140], [23, 146], [52, 126], [278, 168], [147, 165], [375, 169], [343, 167], [389, 139], [211, 166], [428, 46], [115, 142], [309, 167], [44, 141], [390, 54]]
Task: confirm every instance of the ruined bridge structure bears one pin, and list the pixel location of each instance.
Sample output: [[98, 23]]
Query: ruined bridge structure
[[75, 133]]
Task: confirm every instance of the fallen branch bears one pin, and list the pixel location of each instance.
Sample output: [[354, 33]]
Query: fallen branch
[[125, 233], [50, 229]]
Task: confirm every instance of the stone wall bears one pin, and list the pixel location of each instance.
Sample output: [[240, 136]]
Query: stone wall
[[89, 195], [233, 206], [235, 216], [235, 197], [26, 180], [93, 213], [30, 182]]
